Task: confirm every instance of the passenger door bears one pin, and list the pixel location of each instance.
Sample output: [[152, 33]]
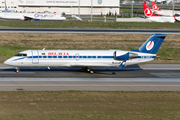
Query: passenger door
[[35, 56]]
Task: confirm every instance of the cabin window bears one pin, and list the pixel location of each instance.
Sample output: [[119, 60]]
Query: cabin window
[[21, 55], [93, 56]]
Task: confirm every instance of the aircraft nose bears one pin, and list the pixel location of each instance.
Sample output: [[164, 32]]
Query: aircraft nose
[[7, 62]]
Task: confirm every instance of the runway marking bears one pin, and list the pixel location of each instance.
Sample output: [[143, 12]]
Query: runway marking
[[65, 85], [17, 73], [93, 79]]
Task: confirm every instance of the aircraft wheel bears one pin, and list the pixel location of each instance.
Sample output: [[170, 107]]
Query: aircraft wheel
[[17, 70], [91, 71], [88, 70]]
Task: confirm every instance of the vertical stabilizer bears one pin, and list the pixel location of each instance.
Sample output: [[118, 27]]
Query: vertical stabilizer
[[147, 10], [155, 7], [152, 44]]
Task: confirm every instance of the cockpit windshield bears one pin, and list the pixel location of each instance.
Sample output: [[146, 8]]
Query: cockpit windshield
[[21, 55]]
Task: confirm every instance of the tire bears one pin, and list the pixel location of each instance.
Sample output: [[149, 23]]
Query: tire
[[91, 71]]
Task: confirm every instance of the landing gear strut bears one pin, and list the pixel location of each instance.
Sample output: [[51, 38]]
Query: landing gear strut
[[90, 71], [17, 70]]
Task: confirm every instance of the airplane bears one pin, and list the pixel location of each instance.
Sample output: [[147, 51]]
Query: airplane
[[158, 11], [156, 18], [88, 60], [31, 16], [10, 15]]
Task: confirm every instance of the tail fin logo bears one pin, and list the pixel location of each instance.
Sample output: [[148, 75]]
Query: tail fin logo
[[155, 7], [149, 45], [148, 12]]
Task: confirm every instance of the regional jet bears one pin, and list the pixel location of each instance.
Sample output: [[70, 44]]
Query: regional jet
[[87, 59]]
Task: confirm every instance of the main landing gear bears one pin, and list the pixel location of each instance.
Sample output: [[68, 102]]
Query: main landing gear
[[88, 70], [17, 70]]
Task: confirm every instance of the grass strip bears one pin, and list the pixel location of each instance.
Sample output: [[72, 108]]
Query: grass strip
[[112, 25], [83, 105]]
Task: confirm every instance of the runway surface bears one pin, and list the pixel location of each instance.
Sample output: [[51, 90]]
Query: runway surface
[[88, 31], [149, 77]]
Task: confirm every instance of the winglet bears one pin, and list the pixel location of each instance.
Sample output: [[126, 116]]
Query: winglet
[[176, 19]]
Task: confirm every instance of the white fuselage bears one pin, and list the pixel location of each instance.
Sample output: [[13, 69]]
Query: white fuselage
[[161, 19], [166, 12], [75, 58], [23, 16]]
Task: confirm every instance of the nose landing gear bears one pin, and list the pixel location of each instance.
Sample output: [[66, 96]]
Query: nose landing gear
[[17, 70]]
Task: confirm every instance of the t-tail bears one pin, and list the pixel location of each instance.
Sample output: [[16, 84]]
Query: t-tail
[[152, 44], [147, 10], [155, 7]]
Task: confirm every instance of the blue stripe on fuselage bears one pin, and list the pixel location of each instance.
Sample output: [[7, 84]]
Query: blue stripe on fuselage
[[19, 59], [80, 57]]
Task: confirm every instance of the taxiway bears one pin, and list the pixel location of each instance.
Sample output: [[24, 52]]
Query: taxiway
[[88, 31], [147, 77]]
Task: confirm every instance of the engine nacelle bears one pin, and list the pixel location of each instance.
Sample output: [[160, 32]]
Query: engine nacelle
[[123, 56]]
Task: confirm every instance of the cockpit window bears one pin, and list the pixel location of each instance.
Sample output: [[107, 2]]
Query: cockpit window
[[21, 55]]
